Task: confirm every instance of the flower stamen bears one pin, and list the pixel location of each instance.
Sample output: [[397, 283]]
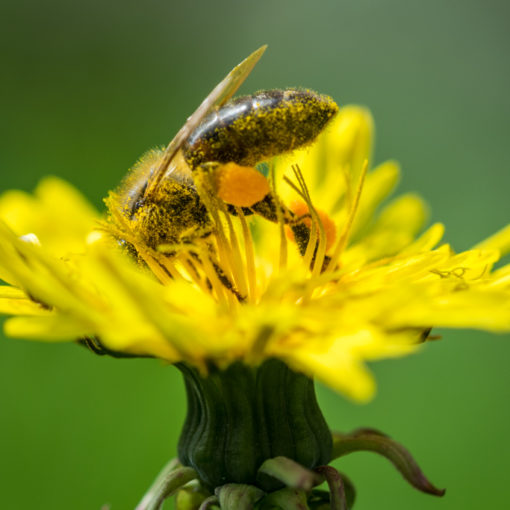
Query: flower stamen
[[283, 253], [235, 258], [315, 252], [249, 253], [344, 236]]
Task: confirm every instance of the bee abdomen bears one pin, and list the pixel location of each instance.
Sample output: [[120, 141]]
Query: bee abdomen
[[257, 127]]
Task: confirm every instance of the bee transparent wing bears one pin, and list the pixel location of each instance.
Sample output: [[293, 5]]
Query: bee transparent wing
[[229, 85], [219, 95]]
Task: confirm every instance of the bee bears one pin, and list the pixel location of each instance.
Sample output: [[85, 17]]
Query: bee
[[159, 199]]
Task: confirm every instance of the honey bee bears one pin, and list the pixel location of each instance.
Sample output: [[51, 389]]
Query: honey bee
[[159, 198]]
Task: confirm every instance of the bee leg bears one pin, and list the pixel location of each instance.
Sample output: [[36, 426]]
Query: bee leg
[[225, 280], [222, 277], [267, 208]]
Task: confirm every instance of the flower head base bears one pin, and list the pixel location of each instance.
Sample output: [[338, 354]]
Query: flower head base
[[182, 271]]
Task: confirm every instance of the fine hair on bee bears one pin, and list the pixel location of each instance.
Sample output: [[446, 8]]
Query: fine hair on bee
[[159, 198], [245, 131]]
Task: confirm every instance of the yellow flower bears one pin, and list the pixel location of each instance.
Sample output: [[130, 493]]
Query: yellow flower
[[374, 292]]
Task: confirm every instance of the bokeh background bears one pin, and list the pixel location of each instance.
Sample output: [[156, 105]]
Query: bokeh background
[[87, 87]]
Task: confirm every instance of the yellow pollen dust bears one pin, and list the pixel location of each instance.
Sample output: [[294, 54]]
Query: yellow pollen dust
[[300, 209], [241, 186]]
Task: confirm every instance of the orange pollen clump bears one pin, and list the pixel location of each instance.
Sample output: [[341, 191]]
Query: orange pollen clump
[[300, 209], [241, 186]]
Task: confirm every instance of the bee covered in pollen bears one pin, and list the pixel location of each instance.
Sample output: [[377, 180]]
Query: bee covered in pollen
[[164, 204]]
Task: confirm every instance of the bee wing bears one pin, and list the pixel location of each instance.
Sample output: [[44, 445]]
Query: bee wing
[[219, 95]]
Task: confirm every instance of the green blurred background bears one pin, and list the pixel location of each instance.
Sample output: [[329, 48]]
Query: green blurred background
[[86, 87]]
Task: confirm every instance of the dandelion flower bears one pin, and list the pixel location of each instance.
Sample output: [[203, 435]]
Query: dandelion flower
[[252, 309]]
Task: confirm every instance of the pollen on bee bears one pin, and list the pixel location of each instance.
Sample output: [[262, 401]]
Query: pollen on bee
[[241, 186], [300, 209]]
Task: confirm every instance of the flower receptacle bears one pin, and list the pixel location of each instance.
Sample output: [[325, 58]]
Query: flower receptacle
[[244, 415]]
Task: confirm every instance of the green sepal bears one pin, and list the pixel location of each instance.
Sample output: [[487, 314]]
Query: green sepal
[[210, 503], [375, 441], [191, 496], [243, 415], [337, 496], [320, 499], [284, 499], [237, 496], [290, 473], [169, 481]]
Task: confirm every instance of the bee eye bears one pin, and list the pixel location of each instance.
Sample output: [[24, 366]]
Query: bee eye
[[241, 186]]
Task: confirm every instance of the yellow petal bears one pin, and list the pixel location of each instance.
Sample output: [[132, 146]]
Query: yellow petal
[[427, 241], [470, 309], [499, 241], [52, 328], [57, 214], [378, 185], [20, 306], [407, 213]]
